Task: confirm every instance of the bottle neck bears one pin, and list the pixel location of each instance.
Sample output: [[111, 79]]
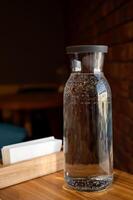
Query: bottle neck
[[87, 63]]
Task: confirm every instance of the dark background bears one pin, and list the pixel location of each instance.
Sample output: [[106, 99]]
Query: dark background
[[31, 41], [33, 36]]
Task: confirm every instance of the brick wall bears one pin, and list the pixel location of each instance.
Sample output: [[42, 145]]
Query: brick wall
[[110, 22]]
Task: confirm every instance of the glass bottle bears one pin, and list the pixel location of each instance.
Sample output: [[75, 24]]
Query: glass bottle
[[87, 121]]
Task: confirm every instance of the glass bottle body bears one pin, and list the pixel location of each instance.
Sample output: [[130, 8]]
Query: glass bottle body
[[88, 131]]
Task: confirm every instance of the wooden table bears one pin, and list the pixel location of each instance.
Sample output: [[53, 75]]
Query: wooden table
[[51, 187], [31, 101]]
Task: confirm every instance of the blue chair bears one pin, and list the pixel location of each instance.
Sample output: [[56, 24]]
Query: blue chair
[[10, 134]]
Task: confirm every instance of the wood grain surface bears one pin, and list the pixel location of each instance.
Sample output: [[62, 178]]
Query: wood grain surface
[[27, 170], [51, 187]]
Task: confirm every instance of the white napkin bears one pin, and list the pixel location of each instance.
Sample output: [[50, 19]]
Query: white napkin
[[31, 149]]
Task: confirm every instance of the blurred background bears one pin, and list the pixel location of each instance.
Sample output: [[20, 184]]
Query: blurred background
[[33, 66]]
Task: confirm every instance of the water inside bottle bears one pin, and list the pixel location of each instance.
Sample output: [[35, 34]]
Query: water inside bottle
[[88, 134]]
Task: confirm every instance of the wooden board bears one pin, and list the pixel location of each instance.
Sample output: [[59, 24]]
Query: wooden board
[[23, 171], [51, 187], [31, 101]]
